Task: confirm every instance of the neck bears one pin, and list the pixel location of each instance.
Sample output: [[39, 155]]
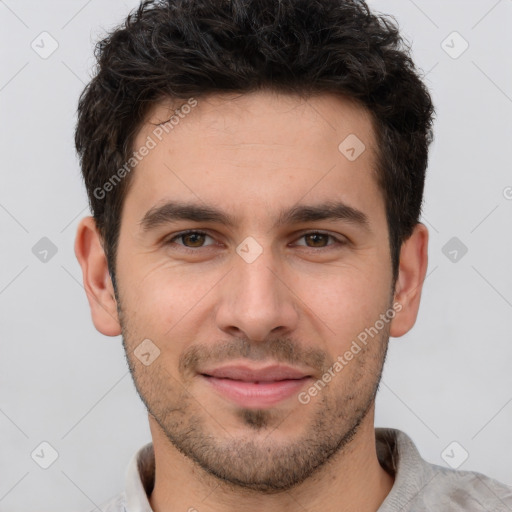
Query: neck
[[352, 480]]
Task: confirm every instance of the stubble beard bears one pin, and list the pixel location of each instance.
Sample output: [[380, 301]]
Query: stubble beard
[[255, 461]]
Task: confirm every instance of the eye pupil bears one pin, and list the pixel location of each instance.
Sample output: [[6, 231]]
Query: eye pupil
[[194, 236], [316, 236]]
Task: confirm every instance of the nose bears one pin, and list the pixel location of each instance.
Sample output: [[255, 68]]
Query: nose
[[257, 299]]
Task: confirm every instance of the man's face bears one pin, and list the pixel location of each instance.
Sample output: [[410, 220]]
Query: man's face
[[258, 293]]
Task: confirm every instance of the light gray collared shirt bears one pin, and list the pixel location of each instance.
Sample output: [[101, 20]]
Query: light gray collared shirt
[[419, 485]]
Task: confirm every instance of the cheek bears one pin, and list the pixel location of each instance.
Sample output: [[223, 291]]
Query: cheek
[[346, 302], [163, 296]]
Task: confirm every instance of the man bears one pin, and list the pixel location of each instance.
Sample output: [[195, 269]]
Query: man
[[255, 171]]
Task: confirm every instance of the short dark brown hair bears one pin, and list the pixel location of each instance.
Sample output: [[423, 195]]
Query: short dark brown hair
[[179, 49]]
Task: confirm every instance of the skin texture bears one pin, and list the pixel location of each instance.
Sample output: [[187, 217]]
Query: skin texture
[[301, 302]]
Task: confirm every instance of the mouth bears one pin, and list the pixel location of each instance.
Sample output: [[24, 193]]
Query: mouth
[[256, 387]]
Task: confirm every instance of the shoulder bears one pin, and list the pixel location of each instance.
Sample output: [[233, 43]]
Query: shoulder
[[422, 486], [457, 490]]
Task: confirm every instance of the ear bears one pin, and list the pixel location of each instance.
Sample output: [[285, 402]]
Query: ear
[[97, 283], [412, 271]]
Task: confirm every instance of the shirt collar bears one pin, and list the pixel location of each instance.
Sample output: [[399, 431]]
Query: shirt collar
[[140, 479], [399, 456]]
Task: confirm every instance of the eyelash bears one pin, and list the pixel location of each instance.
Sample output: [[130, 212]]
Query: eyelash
[[170, 241]]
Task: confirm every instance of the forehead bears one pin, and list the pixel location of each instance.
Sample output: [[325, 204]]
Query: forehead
[[262, 117], [262, 149]]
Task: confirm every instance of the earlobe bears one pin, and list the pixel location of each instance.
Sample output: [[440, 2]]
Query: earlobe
[[412, 271], [96, 277]]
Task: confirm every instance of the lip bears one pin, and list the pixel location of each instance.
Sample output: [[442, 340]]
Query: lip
[[256, 387], [265, 374]]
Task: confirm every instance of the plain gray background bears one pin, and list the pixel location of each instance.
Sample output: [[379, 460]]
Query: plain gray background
[[62, 382]]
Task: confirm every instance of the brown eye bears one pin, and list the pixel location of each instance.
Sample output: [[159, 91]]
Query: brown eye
[[193, 239], [190, 239], [317, 239]]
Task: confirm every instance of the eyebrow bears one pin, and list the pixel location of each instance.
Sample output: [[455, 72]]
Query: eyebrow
[[172, 211]]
